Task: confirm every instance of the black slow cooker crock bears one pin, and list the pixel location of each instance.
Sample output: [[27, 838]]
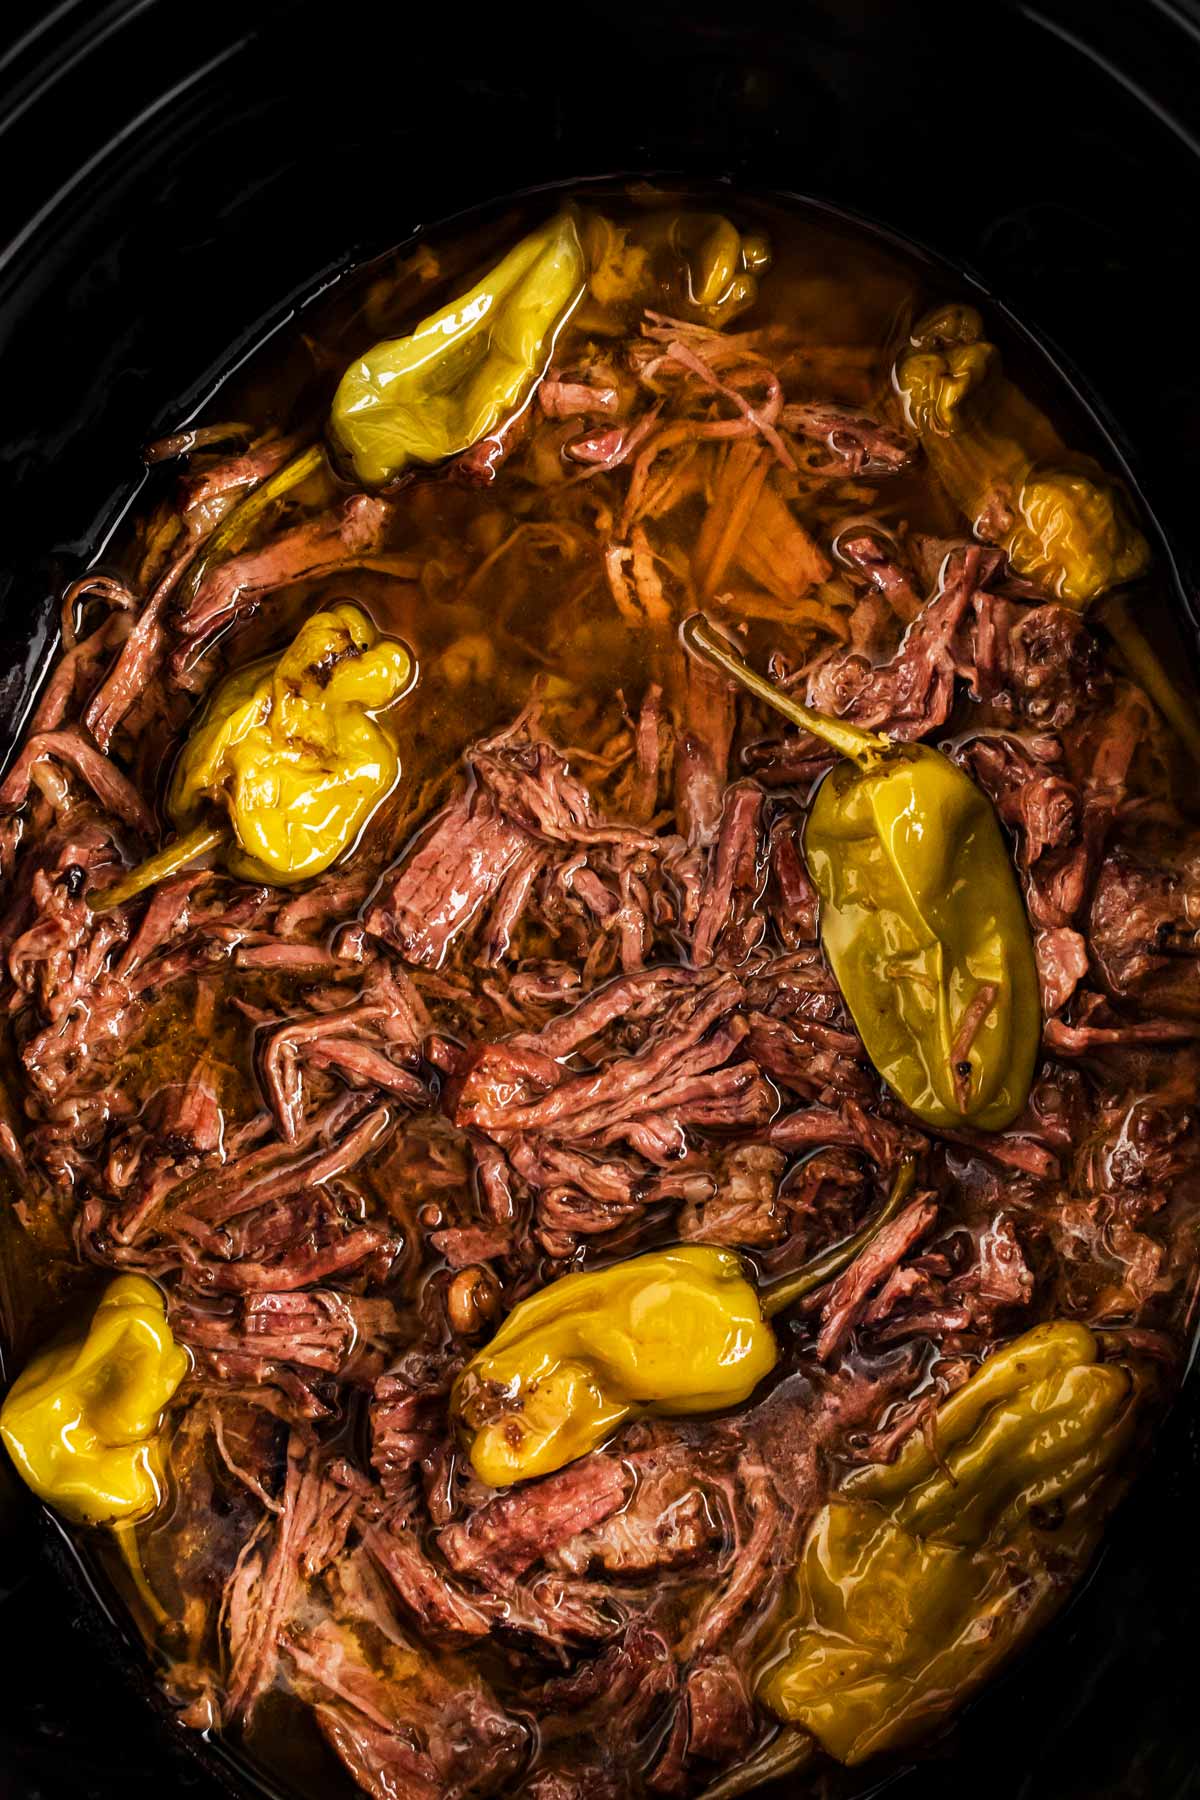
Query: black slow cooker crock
[[179, 179]]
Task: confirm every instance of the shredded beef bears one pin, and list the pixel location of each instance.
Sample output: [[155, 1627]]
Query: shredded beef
[[506, 1536], [1143, 930], [351, 536], [565, 1002]]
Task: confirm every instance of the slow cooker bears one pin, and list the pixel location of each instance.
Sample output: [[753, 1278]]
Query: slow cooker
[[181, 183]]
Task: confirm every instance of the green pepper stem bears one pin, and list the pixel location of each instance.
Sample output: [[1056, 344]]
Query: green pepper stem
[[790, 1288], [1145, 665], [165, 862], [787, 1752], [244, 514], [125, 1533], [866, 748]]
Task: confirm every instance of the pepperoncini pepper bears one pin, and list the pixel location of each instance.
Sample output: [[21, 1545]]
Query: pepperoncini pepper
[[919, 1578], [293, 750], [1057, 518], [674, 1331], [82, 1422], [697, 264], [463, 370], [921, 918]]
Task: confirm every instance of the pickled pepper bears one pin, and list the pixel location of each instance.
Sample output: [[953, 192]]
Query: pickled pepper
[[918, 1578], [921, 918], [674, 1331]]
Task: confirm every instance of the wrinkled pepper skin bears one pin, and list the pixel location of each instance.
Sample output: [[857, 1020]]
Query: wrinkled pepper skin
[[292, 748], [918, 1579], [921, 917], [718, 267], [675, 1331], [697, 265], [465, 369], [1058, 519], [82, 1422]]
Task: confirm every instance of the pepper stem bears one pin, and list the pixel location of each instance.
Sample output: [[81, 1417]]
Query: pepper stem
[[1145, 665], [788, 1751], [165, 862], [125, 1533], [790, 1288], [243, 515], [866, 748]]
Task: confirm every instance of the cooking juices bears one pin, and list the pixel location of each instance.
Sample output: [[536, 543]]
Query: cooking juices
[[600, 903]]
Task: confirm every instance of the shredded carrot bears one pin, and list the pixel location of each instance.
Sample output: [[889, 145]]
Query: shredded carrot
[[735, 496], [777, 552]]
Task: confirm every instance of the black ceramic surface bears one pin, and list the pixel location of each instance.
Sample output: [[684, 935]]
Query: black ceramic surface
[[175, 180]]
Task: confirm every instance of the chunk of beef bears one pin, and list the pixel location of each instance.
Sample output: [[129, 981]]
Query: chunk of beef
[[676, 1517], [703, 738], [848, 1126], [1042, 663], [613, 1694], [422, 1734], [1062, 963], [456, 870], [714, 1722], [689, 1072], [791, 897], [846, 1300], [816, 1061], [373, 1041], [504, 1537], [923, 1297], [267, 1583], [69, 748], [857, 443], [523, 813], [741, 1205], [256, 1338], [1144, 930], [427, 1593], [867, 552], [408, 1411]]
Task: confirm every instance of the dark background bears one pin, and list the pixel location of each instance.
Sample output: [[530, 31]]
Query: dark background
[[173, 178]]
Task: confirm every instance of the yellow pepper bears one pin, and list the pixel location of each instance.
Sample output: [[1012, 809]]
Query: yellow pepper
[[919, 1578], [465, 369], [82, 1422], [675, 1331], [697, 265], [921, 917], [293, 749], [1058, 519]]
